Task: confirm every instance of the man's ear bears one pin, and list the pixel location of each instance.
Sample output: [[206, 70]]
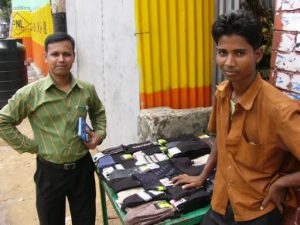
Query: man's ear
[[259, 53], [45, 57]]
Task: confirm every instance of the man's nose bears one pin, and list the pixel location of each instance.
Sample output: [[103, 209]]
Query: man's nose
[[61, 57], [230, 60]]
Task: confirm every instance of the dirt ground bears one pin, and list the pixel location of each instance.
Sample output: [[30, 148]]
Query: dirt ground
[[17, 189]]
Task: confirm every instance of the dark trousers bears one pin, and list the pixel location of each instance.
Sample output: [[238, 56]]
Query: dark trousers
[[53, 185], [213, 218]]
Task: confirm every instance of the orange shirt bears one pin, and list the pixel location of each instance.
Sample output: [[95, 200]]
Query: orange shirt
[[255, 146]]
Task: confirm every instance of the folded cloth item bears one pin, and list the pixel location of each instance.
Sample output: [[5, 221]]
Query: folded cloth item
[[149, 213], [105, 172], [105, 161], [192, 202], [126, 193], [184, 165], [142, 197], [166, 170], [128, 172], [149, 181], [122, 184], [178, 192], [97, 156], [187, 137], [122, 157], [155, 149], [114, 150], [142, 159], [200, 161], [191, 149], [209, 185], [127, 160], [132, 148], [124, 173]]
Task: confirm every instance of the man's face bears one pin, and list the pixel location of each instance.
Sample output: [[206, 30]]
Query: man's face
[[237, 59], [60, 58]]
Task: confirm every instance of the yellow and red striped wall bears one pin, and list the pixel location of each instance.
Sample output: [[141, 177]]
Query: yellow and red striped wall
[[32, 21], [21, 25], [175, 52]]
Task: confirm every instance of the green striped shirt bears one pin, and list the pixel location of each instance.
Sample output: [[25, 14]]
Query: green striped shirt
[[53, 115]]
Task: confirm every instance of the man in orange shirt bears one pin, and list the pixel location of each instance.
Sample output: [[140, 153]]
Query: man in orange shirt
[[257, 149]]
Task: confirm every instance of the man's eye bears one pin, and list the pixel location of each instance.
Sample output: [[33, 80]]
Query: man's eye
[[67, 54], [240, 53], [221, 53], [55, 54]]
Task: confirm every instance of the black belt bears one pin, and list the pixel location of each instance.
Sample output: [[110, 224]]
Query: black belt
[[65, 166]]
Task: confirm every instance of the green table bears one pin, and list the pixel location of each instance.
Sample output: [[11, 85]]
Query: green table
[[190, 218]]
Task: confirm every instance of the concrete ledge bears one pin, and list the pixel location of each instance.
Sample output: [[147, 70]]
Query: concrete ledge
[[164, 122]]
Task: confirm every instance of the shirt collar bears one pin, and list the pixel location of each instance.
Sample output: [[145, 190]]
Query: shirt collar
[[247, 99], [50, 82]]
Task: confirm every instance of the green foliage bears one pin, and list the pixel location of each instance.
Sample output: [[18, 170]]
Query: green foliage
[[267, 20], [5, 6]]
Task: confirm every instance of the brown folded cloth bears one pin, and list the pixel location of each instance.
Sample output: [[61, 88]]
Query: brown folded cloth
[[149, 213]]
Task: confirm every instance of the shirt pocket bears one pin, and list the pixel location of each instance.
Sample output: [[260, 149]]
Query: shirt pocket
[[81, 110], [249, 154]]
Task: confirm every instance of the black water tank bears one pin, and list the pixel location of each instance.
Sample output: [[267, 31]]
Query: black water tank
[[13, 71]]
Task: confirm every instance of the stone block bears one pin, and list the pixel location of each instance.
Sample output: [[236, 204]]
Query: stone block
[[283, 80], [164, 122], [290, 21], [288, 81], [295, 83], [289, 62], [284, 41], [287, 42]]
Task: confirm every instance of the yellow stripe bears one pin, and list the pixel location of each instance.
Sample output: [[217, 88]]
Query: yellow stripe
[[43, 138], [173, 43], [155, 44], [191, 42], [54, 124], [175, 50], [73, 140], [182, 42], [164, 47]]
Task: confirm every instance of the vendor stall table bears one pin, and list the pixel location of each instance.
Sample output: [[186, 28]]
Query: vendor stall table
[[194, 217]]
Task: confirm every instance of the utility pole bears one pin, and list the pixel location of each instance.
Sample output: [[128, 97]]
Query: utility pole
[[58, 8]]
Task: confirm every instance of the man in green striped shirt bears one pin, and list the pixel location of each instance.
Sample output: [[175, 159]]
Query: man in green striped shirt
[[53, 105]]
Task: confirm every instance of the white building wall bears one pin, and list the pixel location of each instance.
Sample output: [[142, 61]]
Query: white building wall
[[107, 56]]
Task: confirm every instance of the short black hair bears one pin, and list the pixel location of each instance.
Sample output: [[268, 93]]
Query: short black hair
[[57, 37], [240, 22]]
